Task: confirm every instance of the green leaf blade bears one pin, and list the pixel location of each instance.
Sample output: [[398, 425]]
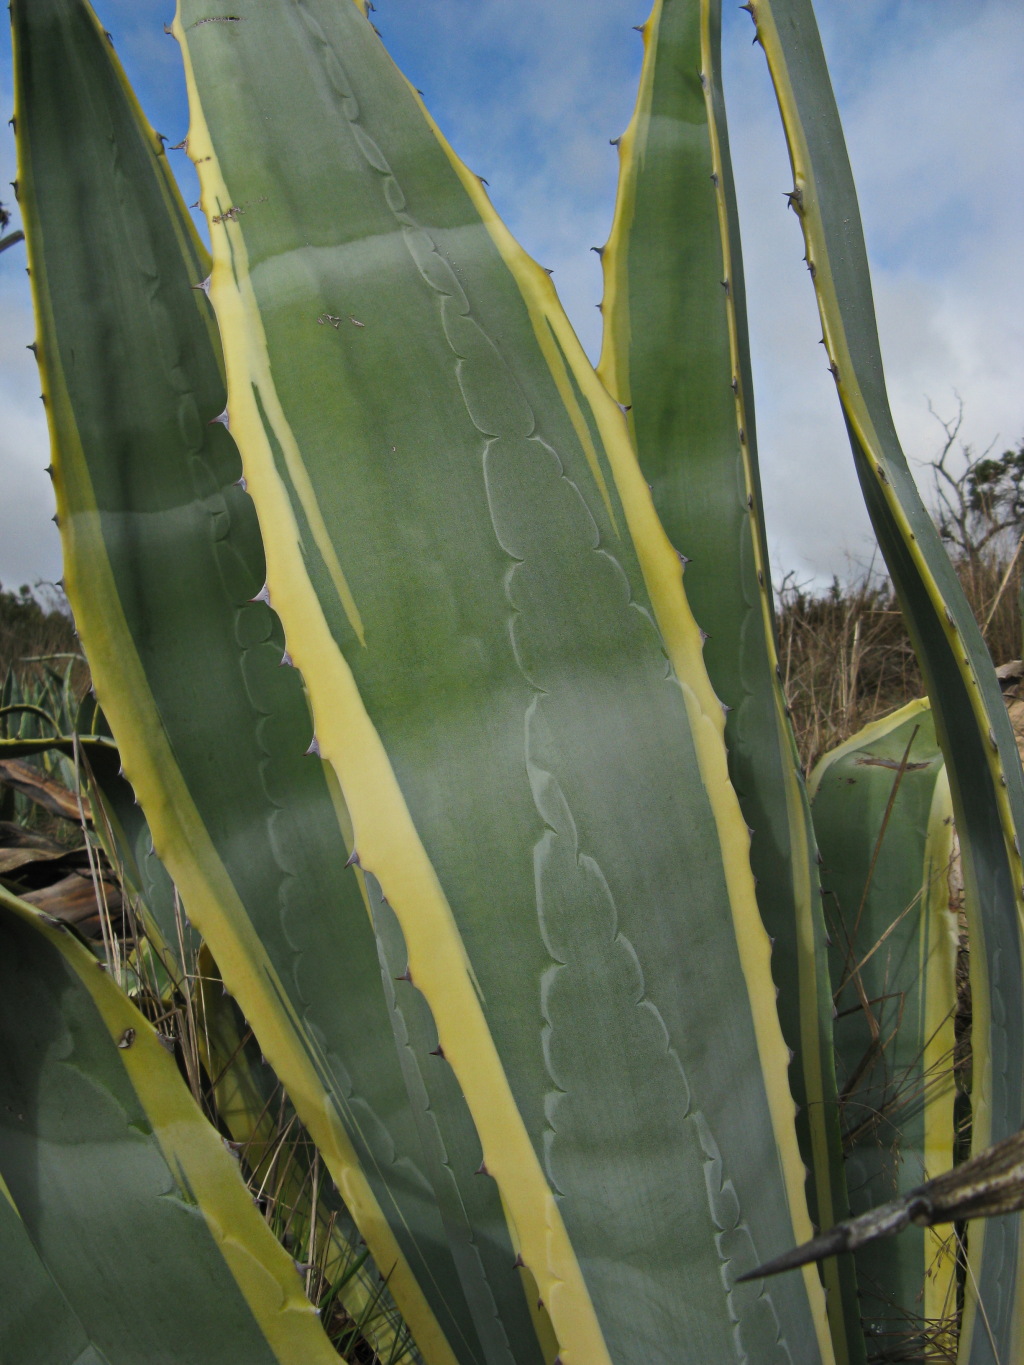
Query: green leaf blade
[[129, 1196], [884, 821], [452, 523], [676, 355], [163, 565], [37, 1324], [984, 767]]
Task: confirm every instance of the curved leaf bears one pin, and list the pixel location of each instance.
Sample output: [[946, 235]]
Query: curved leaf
[[163, 566], [984, 768], [508, 683], [37, 1324], [676, 356], [884, 821], [129, 1196]]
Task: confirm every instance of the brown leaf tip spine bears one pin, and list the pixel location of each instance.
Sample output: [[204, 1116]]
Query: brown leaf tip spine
[[406, 976], [437, 1051], [482, 1169], [519, 1263], [353, 860]]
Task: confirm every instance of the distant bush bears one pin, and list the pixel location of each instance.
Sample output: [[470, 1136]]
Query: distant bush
[[37, 632]]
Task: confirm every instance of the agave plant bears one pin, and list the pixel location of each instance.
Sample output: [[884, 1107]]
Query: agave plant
[[386, 597]]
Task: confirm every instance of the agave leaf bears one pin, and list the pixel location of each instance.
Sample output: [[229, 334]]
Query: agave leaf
[[162, 556], [984, 768], [675, 354], [243, 1083], [884, 821], [37, 1324], [508, 683], [129, 1196], [307, 1208]]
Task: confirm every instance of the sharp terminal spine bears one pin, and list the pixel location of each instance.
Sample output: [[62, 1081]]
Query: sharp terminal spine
[[406, 976]]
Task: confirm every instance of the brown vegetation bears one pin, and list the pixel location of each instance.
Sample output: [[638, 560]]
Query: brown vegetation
[[845, 654]]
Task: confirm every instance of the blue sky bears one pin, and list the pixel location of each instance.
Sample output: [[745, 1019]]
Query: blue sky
[[531, 91]]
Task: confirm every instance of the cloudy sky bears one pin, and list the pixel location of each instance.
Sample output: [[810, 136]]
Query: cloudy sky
[[531, 91]]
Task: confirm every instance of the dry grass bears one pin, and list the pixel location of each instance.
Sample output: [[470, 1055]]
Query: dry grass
[[37, 632], [846, 657]]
